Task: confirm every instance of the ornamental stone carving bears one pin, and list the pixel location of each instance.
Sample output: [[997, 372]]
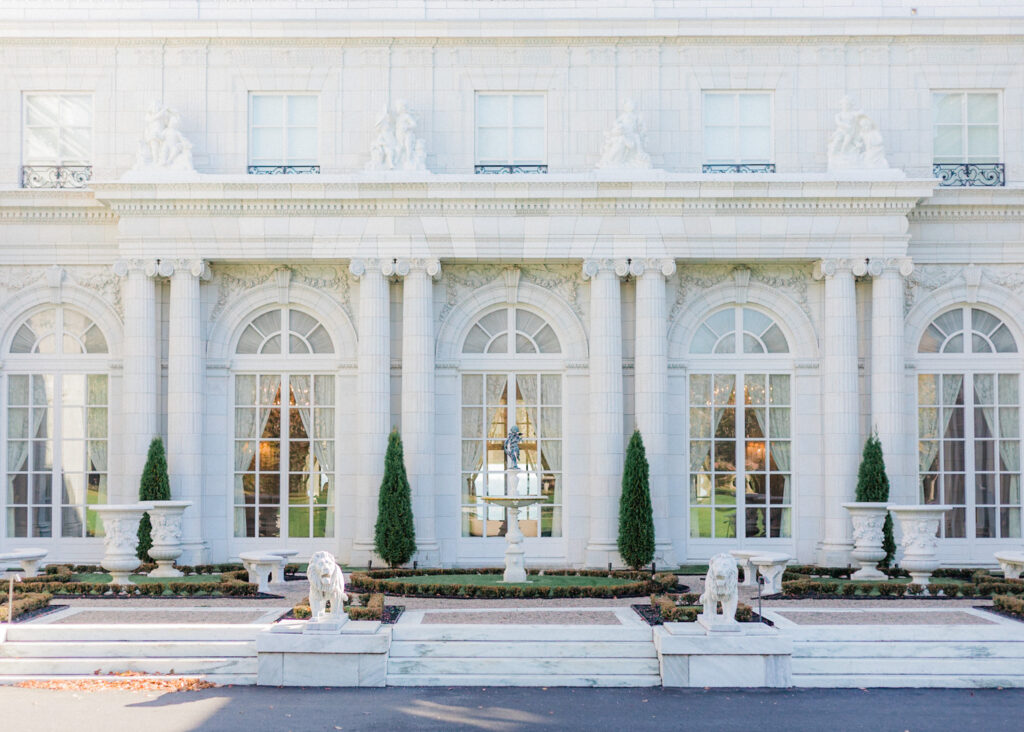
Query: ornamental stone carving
[[163, 150], [902, 266], [234, 281], [120, 527], [919, 526], [868, 523], [856, 143], [460, 281], [326, 585], [396, 146], [403, 267], [624, 142], [831, 267], [166, 521]]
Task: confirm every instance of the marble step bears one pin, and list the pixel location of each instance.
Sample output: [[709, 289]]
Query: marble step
[[223, 679], [512, 649], [470, 668], [523, 680], [73, 666], [902, 633], [141, 632], [911, 649], [909, 666], [127, 649], [911, 681], [521, 633]]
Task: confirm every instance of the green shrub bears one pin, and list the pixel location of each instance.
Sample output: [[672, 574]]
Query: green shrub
[[873, 487], [888, 589], [374, 609], [24, 603], [636, 517], [1012, 605], [850, 589], [394, 536], [154, 485], [914, 589]]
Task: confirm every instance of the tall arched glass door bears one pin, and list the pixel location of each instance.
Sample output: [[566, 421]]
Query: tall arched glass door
[[512, 376], [740, 431]]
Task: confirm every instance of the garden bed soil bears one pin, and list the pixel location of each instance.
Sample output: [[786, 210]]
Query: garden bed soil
[[651, 616], [39, 612], [995, 611]]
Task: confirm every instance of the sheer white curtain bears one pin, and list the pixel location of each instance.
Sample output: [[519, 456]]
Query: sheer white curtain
[[951, 385]]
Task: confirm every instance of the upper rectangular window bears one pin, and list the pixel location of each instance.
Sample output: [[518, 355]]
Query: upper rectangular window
[[57, 140], [966, 127], [283, 133], [737, 128], [510, 133]]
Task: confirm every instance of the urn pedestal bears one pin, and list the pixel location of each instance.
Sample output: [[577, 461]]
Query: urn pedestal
[[868, 524], [919, 526], [165, 518], [121, 529]]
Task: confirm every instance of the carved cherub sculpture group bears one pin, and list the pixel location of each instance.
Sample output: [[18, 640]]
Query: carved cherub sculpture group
[[856, 143], [163, 146]]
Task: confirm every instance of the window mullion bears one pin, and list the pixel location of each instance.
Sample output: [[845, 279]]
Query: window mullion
[[741, 464], [284, 488], [57, 469]]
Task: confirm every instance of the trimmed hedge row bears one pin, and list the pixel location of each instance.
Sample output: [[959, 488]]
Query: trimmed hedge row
[[1010, 605], [684, 609], [825, 588], [371, 608], [229, 588], [24, 603], [382, 581]]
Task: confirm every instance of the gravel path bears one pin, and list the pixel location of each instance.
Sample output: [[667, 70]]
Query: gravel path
[[883, 618], [528, 617], [155, 617]]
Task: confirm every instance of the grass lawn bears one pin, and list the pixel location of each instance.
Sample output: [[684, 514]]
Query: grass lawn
[[488, 580], [141, 579]]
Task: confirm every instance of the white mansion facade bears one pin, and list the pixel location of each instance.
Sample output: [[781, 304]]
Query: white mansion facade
[[270, 242]]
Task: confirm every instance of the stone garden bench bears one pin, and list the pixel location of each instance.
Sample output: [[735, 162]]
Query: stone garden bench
[[742, 557], [260, 565], [771, 565], [28, 558], [285, 555], [1012, 563]]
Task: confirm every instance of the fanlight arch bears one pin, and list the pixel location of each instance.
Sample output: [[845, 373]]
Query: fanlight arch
[[284, 331], [967, 330], [511, 330], [739, 329], [58, 330]]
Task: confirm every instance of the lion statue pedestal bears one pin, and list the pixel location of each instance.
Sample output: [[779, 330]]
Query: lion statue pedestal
[[326, 585], [720, 586]]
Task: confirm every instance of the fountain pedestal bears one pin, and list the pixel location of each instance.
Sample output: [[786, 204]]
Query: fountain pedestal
[[515, 565]]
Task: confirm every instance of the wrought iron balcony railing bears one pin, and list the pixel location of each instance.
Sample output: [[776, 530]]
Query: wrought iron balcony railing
[[737, 168], [55, 176], [504, 169], [970, 174], [283, 169]]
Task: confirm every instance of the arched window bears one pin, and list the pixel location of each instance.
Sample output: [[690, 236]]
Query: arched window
[[490, 334], [511, 381], [284, 458], [57, 422], [740, 428], [969, 424]]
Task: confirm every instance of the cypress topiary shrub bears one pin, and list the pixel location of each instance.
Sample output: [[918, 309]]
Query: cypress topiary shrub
[[154, 485], [873, 487], [394, 536], [636, 518]]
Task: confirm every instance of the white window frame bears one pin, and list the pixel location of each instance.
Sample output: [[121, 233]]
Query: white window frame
[[737, 125], [285, 159], [25, 161], [509, 127], [965, 125]]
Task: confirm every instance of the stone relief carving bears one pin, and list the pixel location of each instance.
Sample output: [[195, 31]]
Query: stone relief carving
[[163, 148], [856, 143], [624, 142], [925, 279], [793, 280], [166, 528], [232, 281], [396, 146], [121, 535], [100, 280]]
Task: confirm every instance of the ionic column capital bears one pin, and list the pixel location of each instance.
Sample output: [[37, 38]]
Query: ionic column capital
[[653, 267], [592, 268], [827, 268], [193, 267], [362, 267], [123, 267], [431, 267], [902, 266]]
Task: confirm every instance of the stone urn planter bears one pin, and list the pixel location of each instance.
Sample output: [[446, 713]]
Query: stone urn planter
[[919, 526], [868, 523], [165, 517], [121, 529]]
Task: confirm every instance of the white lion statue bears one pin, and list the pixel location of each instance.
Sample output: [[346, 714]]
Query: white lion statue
[[326, 582], [720, 586]]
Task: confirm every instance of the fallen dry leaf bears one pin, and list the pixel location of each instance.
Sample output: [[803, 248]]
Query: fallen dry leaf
[[122, 681]]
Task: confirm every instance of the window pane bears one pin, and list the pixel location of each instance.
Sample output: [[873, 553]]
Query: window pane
[[719, 109], [528, 110], [982, 141], [755, 109], [266, 110], [492, 144], [268, 144], [718, 143], [983, 108], [755, 144], [491, 110], [42, 109], [302, 110], [948, 107], [528, 144], [948, 144]]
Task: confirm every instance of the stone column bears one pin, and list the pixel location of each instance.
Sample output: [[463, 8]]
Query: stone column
[[606, 440], [887, 369], [374, 397], [418, 397], [650, 379], [185, 366], [840, 413], [140, 405]]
